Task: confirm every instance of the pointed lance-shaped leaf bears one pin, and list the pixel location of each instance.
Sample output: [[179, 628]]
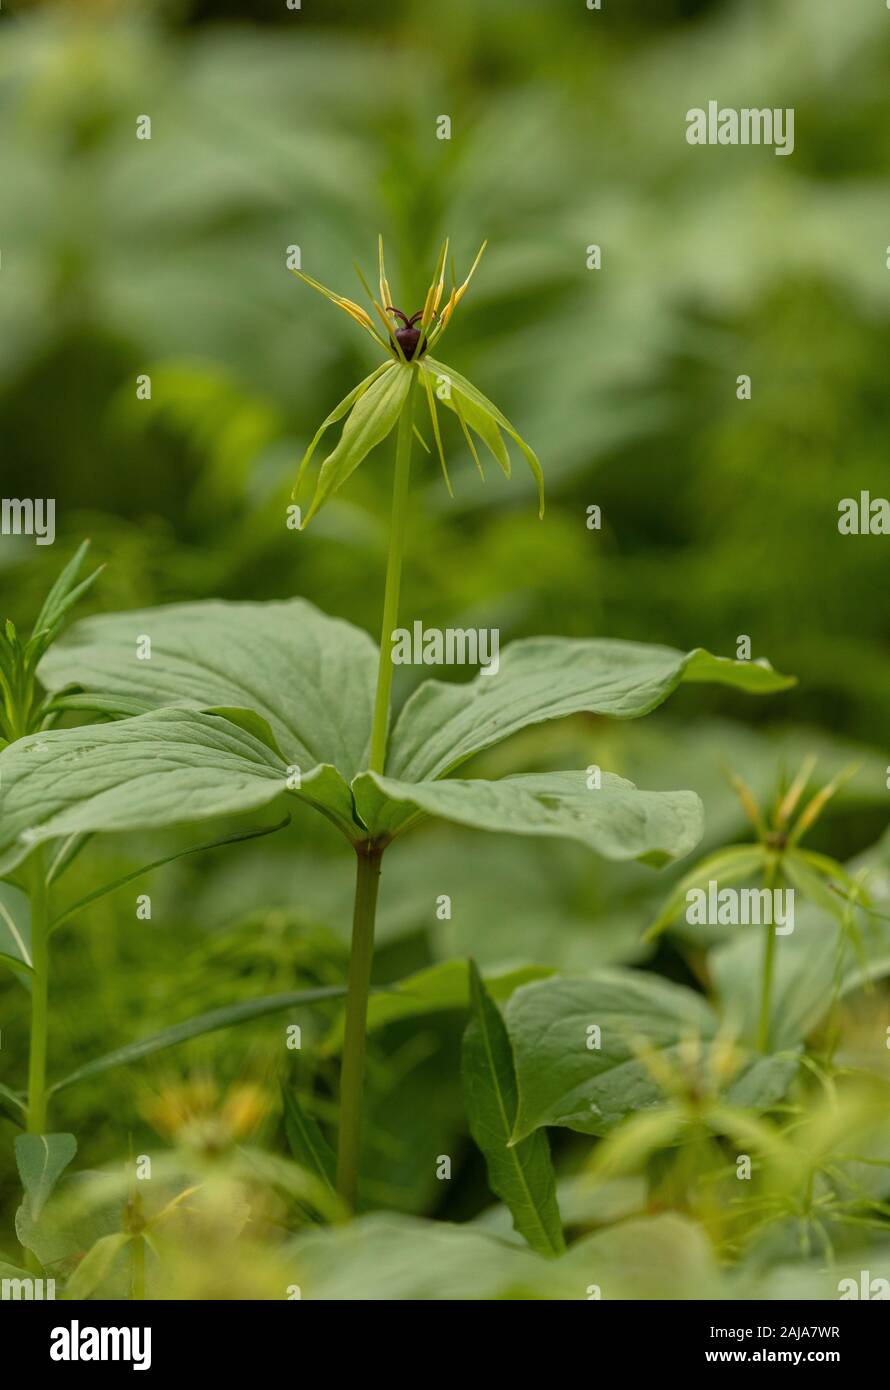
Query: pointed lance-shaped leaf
[[373, 417], [337, 414], [468, 390], [431, 401], [522, 1174]]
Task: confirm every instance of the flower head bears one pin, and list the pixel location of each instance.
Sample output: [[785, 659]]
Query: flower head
[[372, 408], [194, 1114]]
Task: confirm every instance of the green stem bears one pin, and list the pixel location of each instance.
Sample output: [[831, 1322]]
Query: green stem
[[769, 961], [368, 855], [36, 1116], [137, 1272], [380, 723], [39, 996], [353, 1063]]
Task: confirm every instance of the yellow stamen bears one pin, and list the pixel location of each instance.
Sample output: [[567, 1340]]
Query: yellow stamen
[[355, 311], [434, 293], [385, 291]]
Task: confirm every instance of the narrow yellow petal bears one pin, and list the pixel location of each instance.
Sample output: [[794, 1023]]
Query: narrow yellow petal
[[355, 311], [455, 298], [462, 290], [385, 291], [434, 293], [448, 310]]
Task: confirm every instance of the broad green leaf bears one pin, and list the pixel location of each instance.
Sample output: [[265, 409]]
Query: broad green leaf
[[307, 1143], [759, 1086], [41, 1159], [238, 838], [310, 677], [585, 1202], [542, 678], [96, 1265], [12, 1105], [665, 1257], [484, 407], [568, 1074], [436, 989], [83, 1208], [615, 819], [387, 1257], [15, 928], [724, 867], [373, 417], [227, 1017], [762, 1084], [251, 723], [159, 769], [521, 1174]]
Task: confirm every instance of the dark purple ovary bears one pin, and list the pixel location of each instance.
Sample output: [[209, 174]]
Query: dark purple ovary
[[409, 336]]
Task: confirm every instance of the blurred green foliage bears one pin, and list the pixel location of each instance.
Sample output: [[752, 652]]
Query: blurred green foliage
[[317, 128]]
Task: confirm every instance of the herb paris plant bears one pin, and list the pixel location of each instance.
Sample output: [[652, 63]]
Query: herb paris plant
[[242, 702]]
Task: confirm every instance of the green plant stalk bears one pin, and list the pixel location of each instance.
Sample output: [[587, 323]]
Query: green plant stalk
[[352, 1071], [768, 968], [368, 856], [137, 1271], [380, 724], [36, 1113], [36, 1121]]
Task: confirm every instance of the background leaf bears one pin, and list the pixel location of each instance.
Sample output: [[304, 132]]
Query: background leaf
[[96, 1265], [564, 1081], [41, 1160], [15, 927], [521, 1175], [434, 990], [228, 1017], [307, 1143]]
